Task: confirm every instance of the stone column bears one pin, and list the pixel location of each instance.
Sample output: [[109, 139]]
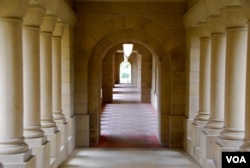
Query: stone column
[[246, 145], [236, 50], [67, 85], [232, 135], [67, 68], [107, 78], [48, 125], [218, 62], [46, 71], [31, 86], [217, 87], [31, 72], [11, 87], [205, 66], [146, 76], [14, 152], [204, 84], [58, 116], [56, 73], [204, 89], [192, 84]]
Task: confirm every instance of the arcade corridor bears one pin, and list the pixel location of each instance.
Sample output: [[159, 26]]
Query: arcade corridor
[[128, 138], [126, 122], [59, 62]]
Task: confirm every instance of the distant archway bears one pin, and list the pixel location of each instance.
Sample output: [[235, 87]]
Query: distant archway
[[125, 72]]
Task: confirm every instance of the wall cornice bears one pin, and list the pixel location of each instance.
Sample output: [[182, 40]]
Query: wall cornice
[[13, 8], [60, 9], [204, 9]]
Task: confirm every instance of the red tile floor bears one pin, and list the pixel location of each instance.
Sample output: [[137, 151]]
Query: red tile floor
[[126, 122]]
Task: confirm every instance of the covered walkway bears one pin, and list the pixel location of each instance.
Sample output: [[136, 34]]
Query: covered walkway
[[126, 122], [128, 138]]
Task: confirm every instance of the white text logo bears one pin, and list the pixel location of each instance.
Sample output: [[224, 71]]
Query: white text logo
[[236, 159]]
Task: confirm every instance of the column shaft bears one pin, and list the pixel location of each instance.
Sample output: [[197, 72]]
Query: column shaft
[[246, 145], [57, 82], [235, 84], [11, 88], [31, 77], [46, 79], [67, 72], [205, 65], [218, 59]]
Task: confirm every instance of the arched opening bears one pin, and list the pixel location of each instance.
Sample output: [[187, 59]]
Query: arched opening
[[129, 119], [165, 44], [95, 82], [125, 72]]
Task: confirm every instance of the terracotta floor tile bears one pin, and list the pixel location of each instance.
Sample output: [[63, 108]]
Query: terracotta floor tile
[[127, 122]]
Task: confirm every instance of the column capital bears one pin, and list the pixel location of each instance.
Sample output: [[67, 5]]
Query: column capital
[[216, 25], [13, 8], [246, 8], [59, 28], [233, 16], [34, 16], [203, 29], [48, 24]]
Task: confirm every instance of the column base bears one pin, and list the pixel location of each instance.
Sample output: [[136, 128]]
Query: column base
[[197, 128], [224, 146], [22, 160], [36, 141], [33, 133], [54, 137], [199, 123], [64, 139], [41, 149], [215, 124], [202, 116], [71, 141], [231, 134], [47, 123], [230, 143], [187, 135], [245, 147], [60, 121], [208, 138], [10, 146], [58, 115]]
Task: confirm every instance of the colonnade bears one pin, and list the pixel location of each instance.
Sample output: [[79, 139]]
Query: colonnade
[[222, 120], [35, 131]]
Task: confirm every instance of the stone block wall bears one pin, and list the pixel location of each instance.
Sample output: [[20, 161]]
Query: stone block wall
[[108, 79]]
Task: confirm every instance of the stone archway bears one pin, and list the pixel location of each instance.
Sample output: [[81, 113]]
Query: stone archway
[[94, 96], [164, 45]]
